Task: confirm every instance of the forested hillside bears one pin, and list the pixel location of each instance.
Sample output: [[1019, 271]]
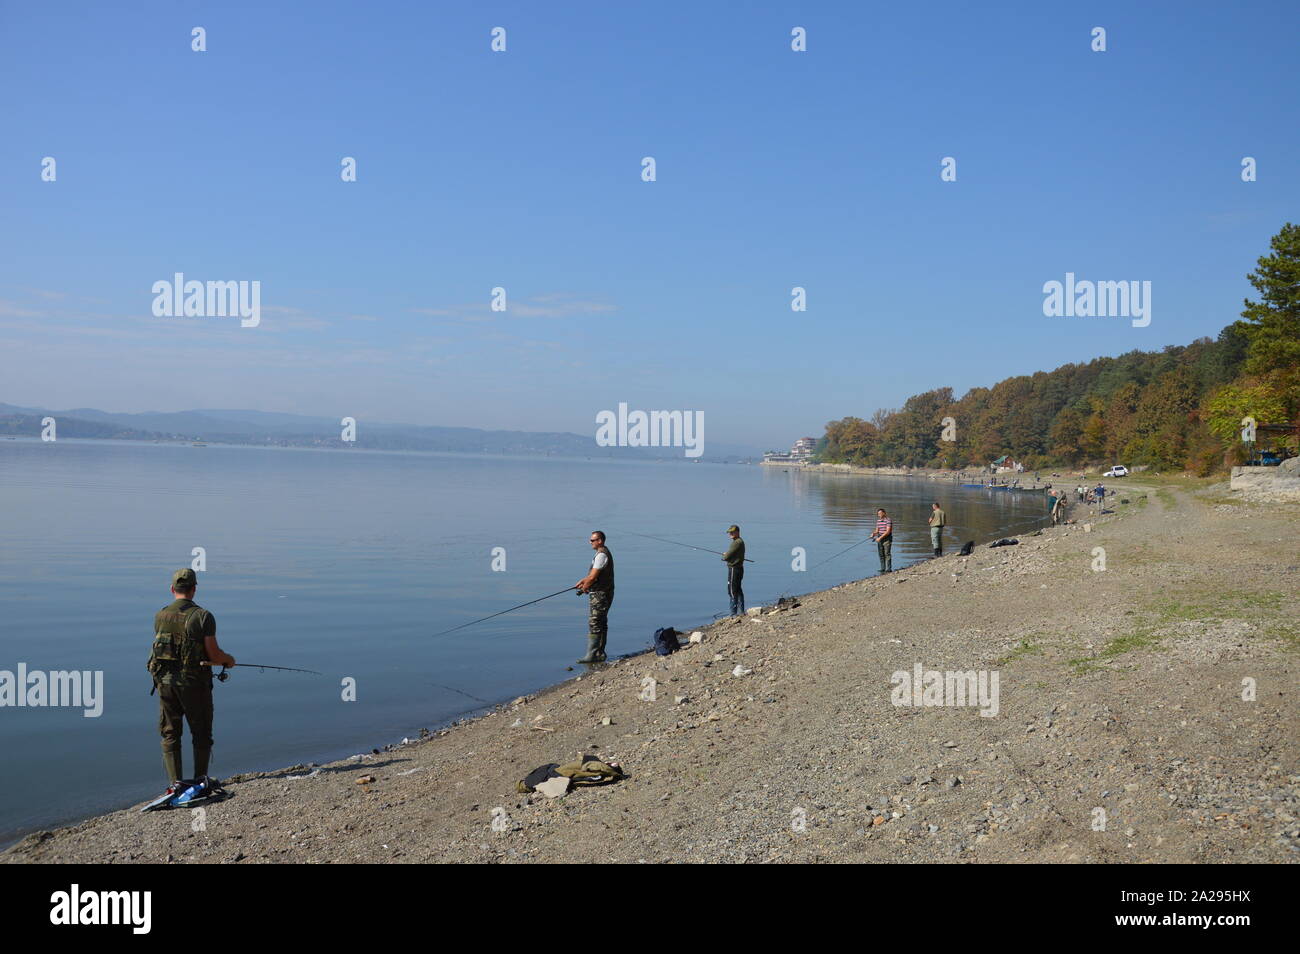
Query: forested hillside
[[1180, 408]]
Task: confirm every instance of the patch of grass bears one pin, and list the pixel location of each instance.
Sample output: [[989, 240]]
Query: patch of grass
[[1160, 615], [1288, 633], [1138, 639], [1083, 665], [1167, 500], [1027, 647], [1137, 555]]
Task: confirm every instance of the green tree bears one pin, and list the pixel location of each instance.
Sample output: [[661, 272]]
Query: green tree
[[1272, 324], [1224, 411]]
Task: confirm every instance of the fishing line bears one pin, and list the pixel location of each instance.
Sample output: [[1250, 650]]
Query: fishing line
[[503, 612], [841, 553], [673, 542]]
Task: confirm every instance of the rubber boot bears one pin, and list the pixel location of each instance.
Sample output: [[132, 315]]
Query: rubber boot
[[593, 643], [172, 765], [201, 759], [600, 647]]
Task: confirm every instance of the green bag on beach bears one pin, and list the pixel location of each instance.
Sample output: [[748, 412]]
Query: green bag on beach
[[588, 770]]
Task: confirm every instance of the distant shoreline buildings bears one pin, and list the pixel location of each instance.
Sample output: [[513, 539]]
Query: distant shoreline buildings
[[801, 451]]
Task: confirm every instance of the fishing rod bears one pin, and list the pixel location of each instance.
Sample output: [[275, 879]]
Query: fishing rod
[[674, 542], [224, 675], [504, 611], [467, 695], [841, 553]]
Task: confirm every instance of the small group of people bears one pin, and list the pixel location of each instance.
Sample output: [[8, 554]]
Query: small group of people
[[1092, 495], [883, 535], [185, 644]]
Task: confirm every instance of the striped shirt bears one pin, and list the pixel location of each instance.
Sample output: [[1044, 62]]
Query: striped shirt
[[884, 528]]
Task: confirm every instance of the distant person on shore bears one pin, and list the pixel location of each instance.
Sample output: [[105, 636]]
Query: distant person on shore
[[598, 584], [735, 560], [185, 637], [884, 537], [1056, 505], [1100, 496], [937, 521]]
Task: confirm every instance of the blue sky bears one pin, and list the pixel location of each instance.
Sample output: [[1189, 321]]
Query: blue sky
[[522, 169]]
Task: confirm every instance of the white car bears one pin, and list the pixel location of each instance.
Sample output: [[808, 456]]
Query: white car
[[1119, 470]]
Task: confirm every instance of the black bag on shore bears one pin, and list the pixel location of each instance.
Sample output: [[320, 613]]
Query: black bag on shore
[[666, 641], [1004, 542], [966, 548]]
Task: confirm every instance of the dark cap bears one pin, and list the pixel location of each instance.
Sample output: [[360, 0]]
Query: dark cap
[[184, 579], [733, 529]]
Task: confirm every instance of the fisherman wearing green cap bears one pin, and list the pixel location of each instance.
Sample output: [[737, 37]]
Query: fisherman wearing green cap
[[735, 560], [598, 584], [185, 637]]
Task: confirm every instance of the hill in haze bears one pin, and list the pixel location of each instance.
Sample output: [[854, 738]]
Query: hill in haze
[[296, 430]]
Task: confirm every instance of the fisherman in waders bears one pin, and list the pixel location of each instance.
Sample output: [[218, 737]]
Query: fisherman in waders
[[735, 560], [185, 636], [598, 584], [937, 522], [884, 537]]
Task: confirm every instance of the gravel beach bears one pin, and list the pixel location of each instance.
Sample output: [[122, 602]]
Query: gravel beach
[[1126, 728]]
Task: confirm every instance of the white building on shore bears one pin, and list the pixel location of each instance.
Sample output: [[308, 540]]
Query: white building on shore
[[802, 449]]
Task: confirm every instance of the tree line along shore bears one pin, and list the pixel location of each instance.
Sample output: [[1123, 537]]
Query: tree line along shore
[[1178, 409]]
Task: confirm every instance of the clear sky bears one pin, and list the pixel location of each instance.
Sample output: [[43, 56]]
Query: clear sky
[[522, 169]]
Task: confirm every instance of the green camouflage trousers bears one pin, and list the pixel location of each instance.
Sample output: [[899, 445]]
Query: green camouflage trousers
[[598, 614], [177, 705]]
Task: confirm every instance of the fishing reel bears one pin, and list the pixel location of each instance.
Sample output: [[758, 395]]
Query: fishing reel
[[223, 675]]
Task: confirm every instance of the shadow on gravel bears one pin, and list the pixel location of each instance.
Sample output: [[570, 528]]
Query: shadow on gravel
[[298, 771]]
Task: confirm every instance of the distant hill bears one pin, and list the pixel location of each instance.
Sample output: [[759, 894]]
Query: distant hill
[[295, 430]]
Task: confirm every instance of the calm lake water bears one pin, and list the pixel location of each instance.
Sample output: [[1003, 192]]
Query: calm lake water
[[349, 562]]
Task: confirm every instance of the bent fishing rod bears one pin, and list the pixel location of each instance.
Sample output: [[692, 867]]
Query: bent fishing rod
[[224, 675], [503, 612]]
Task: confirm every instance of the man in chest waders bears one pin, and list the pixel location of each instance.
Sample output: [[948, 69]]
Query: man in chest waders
[[735, 560], [185, 636], [598, 584]]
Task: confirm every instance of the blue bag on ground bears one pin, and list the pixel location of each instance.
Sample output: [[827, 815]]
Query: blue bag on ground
[[666, 641]]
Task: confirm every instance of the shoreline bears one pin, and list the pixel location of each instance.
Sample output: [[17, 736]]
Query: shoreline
[[461, 718], [458, 774]]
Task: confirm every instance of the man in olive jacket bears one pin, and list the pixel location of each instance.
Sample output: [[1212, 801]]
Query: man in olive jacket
[[185, 637], [735, 560], [937, 522]]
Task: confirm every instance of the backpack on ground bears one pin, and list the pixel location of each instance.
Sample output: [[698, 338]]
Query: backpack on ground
[[666, 641], [189, 792]]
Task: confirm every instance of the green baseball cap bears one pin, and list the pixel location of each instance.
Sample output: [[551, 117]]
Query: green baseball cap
[[184, 579], [733, 529]]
